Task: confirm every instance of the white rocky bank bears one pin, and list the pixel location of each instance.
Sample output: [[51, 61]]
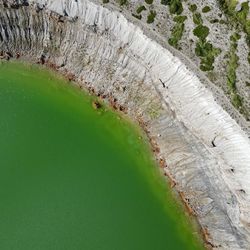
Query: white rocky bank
[[206, 151]]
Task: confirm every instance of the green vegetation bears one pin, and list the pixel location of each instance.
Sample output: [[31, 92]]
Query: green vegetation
[[204, 49], [201, 32], [180, 19], [177, 31], [151, 16], [105, 1], [193, 7], [239, 19], [232, 63], [149, 1], [207, 54], [165, 2], [140, 9], [175, 6], [231, 71], [137, 16], [123, 2], [197, 18], [214, 20], [206, 9]]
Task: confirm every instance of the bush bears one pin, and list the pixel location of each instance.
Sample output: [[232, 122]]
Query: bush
[[176, 34], [206, 9], [165, 2], [193, 7], [151, 16], [137, 16], [180, 19], [175, 7], [197, 18], [201, 32], [177, 31], [123, 2], [140, 9]]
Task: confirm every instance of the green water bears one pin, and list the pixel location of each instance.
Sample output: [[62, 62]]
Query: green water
[[72, 177]]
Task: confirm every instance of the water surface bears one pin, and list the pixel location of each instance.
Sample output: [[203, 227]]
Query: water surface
[[75, 178]]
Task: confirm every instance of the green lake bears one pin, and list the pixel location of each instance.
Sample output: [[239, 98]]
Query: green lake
[[74, 178]]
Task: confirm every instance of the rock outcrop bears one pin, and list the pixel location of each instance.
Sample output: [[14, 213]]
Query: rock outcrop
[[202, 148]]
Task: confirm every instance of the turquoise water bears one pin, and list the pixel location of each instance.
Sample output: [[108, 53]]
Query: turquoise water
[[72, 177]]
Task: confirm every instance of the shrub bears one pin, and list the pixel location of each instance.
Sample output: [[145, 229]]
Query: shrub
[[151, 16], [197, 18], [137, 16], [193, 7], [176, 34], [123, 2], [201, 32], [177, 31], [206, 9], [175, 7], [165, 2], [180, 19], [140, 9]]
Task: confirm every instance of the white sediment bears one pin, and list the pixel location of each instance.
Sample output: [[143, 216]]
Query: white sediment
[[206, 151]]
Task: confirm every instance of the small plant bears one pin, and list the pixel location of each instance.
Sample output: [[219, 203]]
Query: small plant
[[193, 7], [140, 9], [151, 16], [206, 9], [105, 1], [149, 1]]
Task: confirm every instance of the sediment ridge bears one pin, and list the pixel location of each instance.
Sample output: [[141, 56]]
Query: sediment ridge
[[200, 147]]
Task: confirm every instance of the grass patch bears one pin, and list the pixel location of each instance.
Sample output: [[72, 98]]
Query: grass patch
[[151, 16]]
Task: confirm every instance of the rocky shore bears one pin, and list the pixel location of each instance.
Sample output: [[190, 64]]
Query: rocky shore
[[204, 152]]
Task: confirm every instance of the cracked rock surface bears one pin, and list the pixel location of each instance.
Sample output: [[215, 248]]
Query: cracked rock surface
[[207, 154]]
